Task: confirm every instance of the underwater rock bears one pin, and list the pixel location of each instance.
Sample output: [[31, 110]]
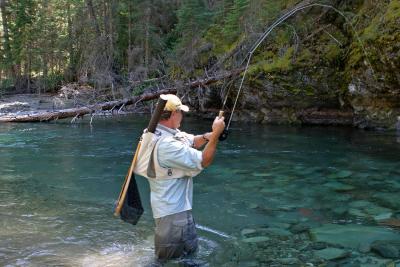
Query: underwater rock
[[369, 261], [383, 216], [299, 228], [351, 235], [281, 225], [375, 210], [249, 264], [339, 187], [344, 174], [385, 249], [277, 231], [364, 247], [248, 232], [340, 210], [288, 261], [261, 174], [253, 206], [360, 204], [318, 245], [331, 254], [391, 200], [256, 239], [357, 213]]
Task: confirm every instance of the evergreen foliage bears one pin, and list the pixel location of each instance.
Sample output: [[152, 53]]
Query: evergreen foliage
[[119, 42]]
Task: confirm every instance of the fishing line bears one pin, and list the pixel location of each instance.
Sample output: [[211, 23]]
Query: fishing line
[[268, 31]]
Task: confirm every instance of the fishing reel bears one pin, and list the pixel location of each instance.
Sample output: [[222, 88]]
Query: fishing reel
[[223, 135]]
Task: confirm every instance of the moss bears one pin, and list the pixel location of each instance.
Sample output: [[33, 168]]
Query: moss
[[278, 64], [332, 53], [372, 31], [393, 11], [282, 37], [305, 56]]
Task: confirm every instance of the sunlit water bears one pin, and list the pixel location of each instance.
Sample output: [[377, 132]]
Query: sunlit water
[[59, 182]]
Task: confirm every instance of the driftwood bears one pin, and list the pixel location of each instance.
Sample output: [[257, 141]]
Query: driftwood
[[111, 105]]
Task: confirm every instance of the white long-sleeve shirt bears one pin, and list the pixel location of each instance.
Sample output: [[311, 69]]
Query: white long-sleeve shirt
[[170, 196]]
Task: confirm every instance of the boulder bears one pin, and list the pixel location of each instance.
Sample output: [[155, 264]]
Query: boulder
[[351, 235]]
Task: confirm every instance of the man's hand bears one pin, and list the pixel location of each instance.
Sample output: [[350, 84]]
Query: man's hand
[[218, 126]]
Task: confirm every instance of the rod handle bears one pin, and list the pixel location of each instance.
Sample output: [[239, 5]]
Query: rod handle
[[156, 115], [221, 113]]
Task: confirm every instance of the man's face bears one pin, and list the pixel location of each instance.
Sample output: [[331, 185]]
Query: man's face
[[176, 117]]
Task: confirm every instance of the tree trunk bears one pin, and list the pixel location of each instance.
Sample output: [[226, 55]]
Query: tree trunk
[[7, 48], [78, 112], [92, 14], [146, 45]]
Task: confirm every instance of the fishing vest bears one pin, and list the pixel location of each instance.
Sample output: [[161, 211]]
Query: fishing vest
[[147, 163]]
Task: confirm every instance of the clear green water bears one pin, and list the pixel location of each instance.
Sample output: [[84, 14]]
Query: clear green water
[[59, 182]]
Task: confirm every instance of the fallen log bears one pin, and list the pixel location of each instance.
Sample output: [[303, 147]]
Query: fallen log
[[81, 111]]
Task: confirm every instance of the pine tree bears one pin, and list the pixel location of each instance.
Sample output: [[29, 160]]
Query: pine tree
[[234, 20]]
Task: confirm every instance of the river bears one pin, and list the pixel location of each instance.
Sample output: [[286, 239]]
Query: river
[[275, 196]]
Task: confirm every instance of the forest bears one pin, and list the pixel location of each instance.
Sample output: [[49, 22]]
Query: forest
[[335, 65]]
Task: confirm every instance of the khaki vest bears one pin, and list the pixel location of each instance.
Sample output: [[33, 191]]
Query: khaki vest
[[147, 163]]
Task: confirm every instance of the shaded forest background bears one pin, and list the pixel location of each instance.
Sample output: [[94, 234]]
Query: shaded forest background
[[317, 59]]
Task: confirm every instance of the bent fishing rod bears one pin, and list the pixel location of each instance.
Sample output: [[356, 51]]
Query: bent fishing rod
[[258, 42]]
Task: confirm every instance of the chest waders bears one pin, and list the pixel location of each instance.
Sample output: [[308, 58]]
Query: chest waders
[[129, 206]]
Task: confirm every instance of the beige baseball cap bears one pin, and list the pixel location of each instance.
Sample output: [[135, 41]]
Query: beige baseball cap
[[173, 103]]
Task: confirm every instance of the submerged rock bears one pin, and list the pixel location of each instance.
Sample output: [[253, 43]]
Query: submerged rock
[[299, 228], [344, 174], [331, 254], [278, 231], [351, 235], [391, 200], [385, 249], [339, 187], [247, 232], [256, 239]]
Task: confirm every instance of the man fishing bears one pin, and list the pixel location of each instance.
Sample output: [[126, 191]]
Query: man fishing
[[176, 161]]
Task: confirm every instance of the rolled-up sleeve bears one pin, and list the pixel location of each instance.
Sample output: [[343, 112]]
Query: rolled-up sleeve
[[174, 154]]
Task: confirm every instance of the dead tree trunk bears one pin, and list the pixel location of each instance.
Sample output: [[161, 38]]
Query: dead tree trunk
[[78, 112]]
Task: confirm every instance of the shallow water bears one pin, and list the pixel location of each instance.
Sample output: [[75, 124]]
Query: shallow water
[[59, 183]]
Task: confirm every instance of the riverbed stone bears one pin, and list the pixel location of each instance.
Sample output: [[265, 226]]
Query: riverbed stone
[[277, 231], [261, 174], [390, 200], [351, 235], [385, 249], [369, 261], [360, 204], [299, 228], [339, 187], [331, 254], [383, 216], [249, 264], [256, 239], [248, 232], [364, 247], [281, 225], [253, 206], [288, 261], [341, 210], [375, 210], [357, 213]]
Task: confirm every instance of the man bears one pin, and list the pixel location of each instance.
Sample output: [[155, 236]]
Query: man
[[176, 157]]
